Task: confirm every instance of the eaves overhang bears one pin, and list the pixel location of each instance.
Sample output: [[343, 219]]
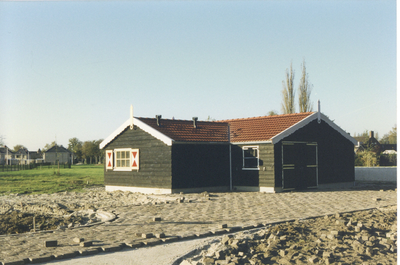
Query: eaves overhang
[[253, 142]]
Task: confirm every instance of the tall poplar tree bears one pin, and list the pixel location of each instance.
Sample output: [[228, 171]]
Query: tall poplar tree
[[288, 92], [305, 88]]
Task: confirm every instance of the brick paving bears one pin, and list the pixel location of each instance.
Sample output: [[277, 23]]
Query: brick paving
[[200, 217]]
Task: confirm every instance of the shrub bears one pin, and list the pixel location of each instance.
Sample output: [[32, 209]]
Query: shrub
[[366, 159], [388, 160]]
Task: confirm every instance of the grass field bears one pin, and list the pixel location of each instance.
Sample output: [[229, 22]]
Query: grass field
[[50, 180]]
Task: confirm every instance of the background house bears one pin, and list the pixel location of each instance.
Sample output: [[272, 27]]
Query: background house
[[272, 153], [25, 157], [58, 154], [22, 156], [36, 156], [372, 153], [7, 156], [373, 144]]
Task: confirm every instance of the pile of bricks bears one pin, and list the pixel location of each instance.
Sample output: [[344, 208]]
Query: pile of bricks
[[369, 236]]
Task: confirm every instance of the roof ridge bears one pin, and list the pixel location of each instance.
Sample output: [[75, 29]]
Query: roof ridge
[[173, 119], [270, 116]]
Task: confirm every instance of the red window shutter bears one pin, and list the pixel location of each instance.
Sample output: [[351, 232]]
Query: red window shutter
[[109, 159], [135, 159]]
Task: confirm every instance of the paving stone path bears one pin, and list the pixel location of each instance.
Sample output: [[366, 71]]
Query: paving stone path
[[207, 214]]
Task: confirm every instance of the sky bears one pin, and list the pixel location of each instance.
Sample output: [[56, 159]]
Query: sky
[[73, 68]]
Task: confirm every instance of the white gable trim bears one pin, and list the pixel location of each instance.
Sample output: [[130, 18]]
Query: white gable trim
[[306, 121], [153, 132], [114, 134], [160, 136], [294, 128], [337, 128]]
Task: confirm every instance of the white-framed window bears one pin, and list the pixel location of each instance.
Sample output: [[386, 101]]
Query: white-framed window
[[251, 158], [124, 159]]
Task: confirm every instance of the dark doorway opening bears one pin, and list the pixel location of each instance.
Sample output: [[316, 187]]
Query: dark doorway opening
[[299, 165]]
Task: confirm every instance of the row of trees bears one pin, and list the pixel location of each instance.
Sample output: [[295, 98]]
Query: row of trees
[[88, 151], [304, 90], [289, 92]]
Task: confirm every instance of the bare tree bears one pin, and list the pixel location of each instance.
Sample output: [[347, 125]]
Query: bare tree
[[305, 88], [288, 92]]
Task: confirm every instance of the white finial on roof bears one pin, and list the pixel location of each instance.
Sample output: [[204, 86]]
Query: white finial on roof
[[131, 117], [319, 111]]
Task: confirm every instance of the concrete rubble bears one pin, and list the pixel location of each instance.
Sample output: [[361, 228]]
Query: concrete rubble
[[325, 240]]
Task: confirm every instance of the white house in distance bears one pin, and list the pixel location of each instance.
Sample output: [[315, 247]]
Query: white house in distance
[[7, 156]]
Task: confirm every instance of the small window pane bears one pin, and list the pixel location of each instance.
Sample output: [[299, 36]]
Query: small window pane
[[122, 159], [250, 157], [250, 163], [250, 152]]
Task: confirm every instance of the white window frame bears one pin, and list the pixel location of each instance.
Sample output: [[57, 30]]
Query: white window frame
[[256, 147], [126, 168]]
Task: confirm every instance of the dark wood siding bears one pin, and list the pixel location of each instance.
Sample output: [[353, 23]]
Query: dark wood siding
[[154, 161], [264, 177], [267, 168], [200, 165], [335, 153]]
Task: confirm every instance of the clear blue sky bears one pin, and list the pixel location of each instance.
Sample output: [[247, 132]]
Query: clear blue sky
[[72, 69]]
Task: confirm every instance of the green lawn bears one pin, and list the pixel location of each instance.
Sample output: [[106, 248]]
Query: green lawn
[[48, 180]]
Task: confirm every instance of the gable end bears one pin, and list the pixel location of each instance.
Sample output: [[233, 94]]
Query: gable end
[[306, 121], [168, 141]]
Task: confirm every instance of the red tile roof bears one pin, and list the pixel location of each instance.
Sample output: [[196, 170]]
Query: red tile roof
[[183, 130], [262, 128], [242, 130], [267, 128]]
